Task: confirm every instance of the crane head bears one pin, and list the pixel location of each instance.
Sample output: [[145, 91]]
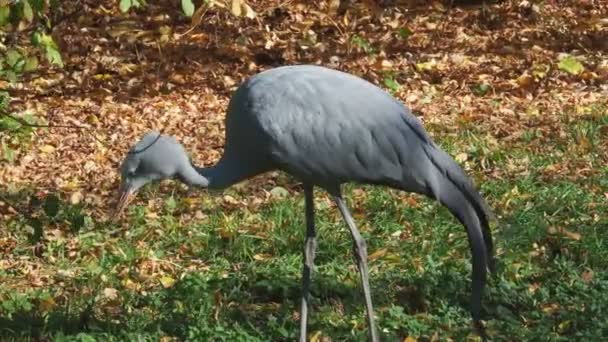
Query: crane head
[[153, 158]]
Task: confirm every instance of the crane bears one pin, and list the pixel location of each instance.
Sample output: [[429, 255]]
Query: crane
[[326, 128]]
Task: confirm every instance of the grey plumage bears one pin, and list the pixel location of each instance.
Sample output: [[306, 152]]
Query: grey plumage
[[326, 128]]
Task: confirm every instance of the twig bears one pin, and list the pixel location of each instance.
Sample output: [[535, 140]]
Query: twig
[[27, 124]]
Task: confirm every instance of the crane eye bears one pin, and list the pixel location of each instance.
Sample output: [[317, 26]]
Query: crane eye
[[131, 173]]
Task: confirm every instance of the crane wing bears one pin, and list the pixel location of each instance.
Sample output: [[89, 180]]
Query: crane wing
[[329, 127]]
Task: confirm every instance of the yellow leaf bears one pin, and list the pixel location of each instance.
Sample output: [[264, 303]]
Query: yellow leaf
[[377, 254], [92, 119], [130, 284], [410, 339], [525, 80], [249, 12], [262, 257], [461, 157], [47, 304], [76, 197], [427, 66], [236, 8], [167, 281], [225, 233], [563, 326], [47, 149], [316, 336], [333, 6]]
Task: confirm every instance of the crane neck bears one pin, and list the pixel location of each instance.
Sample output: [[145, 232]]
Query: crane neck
[[226, 172], [217, 177]]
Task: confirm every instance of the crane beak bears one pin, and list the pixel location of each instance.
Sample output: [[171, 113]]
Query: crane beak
[[126, 195]]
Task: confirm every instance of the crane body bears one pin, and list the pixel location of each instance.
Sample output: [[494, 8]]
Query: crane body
[[326, 128]]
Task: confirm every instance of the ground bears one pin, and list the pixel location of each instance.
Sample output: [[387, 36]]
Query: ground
[[501, 89]]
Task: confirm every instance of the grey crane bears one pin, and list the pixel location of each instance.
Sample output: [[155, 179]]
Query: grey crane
[[326, 128]]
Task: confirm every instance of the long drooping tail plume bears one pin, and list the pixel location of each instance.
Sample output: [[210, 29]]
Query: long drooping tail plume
[[453, 188]]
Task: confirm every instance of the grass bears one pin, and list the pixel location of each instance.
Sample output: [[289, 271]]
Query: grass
[[233, 274]]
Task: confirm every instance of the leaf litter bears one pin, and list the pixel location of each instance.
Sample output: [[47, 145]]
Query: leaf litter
[[503, 72]]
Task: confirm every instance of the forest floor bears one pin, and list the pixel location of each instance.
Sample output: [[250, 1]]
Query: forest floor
[[516, 92]]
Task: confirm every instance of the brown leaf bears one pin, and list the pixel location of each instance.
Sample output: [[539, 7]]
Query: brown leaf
[[332, 6], [377, 254], [587, 276], [47, 304], [571, 235]]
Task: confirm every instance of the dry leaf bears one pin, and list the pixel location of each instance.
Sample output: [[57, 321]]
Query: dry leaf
[[47, 304], [110, 293], [167, 281], [316, 336], [47, 149], [587, 276], [377, 254], [235, 7], [249, 12], [76, 197], [332, 6], [571, 235], [262, 257], [461, 157]]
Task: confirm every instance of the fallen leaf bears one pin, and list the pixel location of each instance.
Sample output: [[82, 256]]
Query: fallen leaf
[[377, 254], [262, 257], [571, 235], [279, 192], [110, 293], [130, 284], [47, 149], [571, 65], [461, 157], [167, 281], [235, 7], [316, 336], [587, 276], [76, 197], [47, 304]]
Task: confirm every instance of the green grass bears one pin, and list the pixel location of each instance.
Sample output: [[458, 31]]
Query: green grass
[[234, 273]]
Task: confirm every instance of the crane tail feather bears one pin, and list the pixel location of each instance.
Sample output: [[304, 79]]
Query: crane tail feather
[[451, 175], [452, 187]]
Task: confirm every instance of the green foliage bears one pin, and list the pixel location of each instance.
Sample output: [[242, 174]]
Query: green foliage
[[22, 59], [188, 7], [126, 5], [404, 32], [5, 14], [481, 89], [391, 83], [46, 43], [362, 44], [248, 289], [571, 65]]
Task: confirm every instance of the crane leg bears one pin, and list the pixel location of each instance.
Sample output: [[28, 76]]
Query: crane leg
[[360, 251], [309, 257]]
